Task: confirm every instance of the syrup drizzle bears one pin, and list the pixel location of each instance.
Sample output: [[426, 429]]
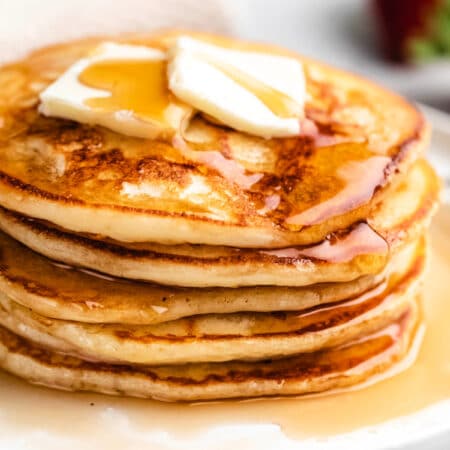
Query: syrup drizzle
[[138, 86], [361, 178], [228, 168], [362, 240]]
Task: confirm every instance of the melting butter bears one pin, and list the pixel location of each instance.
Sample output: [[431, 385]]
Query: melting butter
[[258, 93], [121, 87], [278, 102], [145, 92]]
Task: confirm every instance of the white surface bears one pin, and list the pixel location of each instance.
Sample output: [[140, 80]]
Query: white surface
[[241, 437], [440, 154]]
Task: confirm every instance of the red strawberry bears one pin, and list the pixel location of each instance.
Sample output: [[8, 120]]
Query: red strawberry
[[414, 29]]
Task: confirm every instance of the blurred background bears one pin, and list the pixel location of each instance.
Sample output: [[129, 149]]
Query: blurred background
[[403, 44]]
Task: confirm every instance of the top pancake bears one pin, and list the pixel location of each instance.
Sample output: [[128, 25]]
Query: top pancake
[[73, 175]]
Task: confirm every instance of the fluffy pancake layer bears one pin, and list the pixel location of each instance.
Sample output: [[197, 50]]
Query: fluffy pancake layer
[[336, 368], [316, 348], [66, 293], [224, 337], [342, 257]]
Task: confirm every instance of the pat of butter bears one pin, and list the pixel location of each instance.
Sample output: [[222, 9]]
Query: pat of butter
[[258, 93], [121, 87]]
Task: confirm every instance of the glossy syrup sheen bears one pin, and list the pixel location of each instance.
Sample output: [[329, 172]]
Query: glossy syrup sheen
[[137, 85], [26, 408]]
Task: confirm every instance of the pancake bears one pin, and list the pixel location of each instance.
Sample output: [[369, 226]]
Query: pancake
[[66, 293], [344, 256], [337, 368], [222, 337], [91, 180]]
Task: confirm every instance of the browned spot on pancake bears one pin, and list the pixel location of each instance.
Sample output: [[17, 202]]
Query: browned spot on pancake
[[72, 136], [158, 168]]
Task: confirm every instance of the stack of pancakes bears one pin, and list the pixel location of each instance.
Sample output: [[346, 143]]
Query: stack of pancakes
[[126, 268]]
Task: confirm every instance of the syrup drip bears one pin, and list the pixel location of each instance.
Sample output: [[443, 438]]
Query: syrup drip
[[328, 316], [309, 128], [361, 178], [362, 240], [228, 168], [271, 203]]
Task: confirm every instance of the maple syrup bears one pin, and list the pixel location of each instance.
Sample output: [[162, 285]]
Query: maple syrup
[[137, 85]]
